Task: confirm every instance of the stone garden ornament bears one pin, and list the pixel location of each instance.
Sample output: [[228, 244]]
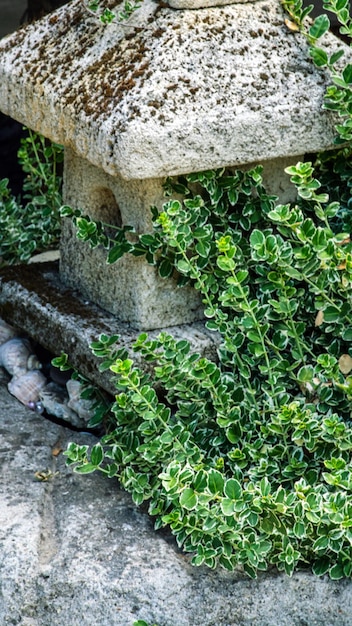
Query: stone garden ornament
[[171, 91]]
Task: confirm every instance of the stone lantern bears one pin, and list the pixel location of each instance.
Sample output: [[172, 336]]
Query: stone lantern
[[176, 89]]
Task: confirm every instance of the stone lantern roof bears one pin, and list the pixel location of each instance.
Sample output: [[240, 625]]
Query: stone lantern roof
[[172, 91]]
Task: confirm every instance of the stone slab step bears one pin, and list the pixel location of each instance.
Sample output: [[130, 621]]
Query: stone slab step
[[33, 298]]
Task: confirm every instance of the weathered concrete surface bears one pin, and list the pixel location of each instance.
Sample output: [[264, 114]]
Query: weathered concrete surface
[[33, 298], [75, 551], [199, 4], [131, 289], [172, 91]]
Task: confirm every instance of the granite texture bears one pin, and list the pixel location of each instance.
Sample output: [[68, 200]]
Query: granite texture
[[171, 91]]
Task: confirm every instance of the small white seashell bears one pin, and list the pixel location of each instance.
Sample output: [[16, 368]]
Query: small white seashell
[[33, 362], [6, 331], [55, 401], [17, 358], [83, 407], [26, 388]]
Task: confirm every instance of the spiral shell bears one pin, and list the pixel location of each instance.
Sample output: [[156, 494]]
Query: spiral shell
[[54, 399], [83, 407], [6, 332], [26, 388], [17, 358]]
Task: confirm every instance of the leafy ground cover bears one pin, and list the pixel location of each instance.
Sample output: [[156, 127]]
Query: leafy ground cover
[[32, 224], [247, 460]]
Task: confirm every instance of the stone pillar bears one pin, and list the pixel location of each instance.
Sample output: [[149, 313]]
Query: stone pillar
[[130, 289]]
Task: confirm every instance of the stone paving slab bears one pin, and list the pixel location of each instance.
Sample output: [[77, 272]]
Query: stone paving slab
[[75, 551]]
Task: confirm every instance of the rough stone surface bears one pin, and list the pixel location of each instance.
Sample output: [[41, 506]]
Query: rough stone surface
[[201, 4], [75, 551], [131, 289], [172, 91], [33, 298]]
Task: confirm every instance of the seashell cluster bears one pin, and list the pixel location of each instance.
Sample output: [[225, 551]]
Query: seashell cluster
[[30, 386], [26, 388], [17, 358], [83, 407], [55, 401]]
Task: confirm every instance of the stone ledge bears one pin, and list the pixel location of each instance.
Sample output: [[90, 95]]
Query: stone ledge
[[201, 4], [33, 298]]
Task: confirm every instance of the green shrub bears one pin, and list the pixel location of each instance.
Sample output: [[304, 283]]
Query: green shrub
[[338, 97], [34, 226], [247, 460], [106, 16]]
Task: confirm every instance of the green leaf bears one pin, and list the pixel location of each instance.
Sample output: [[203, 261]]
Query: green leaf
[[87, 468], [257, 239], [331, 314], [336, 572], [347, 74], [293, 273], [165, 268], [305, 374], [148, 240], [321, 566], [289, 567], [300, 530], [183, 266], [347, 334], [215, 481], [336, 56], [233, 489], [97, 454], [321, 544], [115, 254], [319, 57], [320, 26], [262, 547], [203, 248], [226, 563], [265, 487], [242, 276], [188, 499], [225, 263], [227, 507], [251, 571], [61, 362]]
